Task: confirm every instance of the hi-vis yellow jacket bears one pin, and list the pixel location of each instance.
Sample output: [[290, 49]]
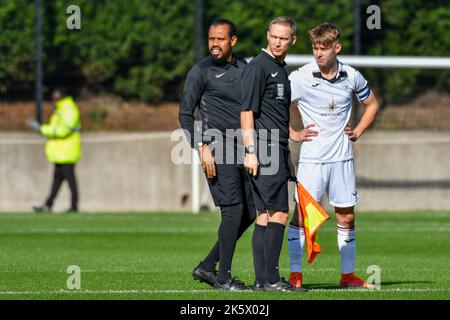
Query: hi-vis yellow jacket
[[63, 131]]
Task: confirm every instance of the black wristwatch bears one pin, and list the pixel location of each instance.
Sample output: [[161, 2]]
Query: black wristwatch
[[250, 149]]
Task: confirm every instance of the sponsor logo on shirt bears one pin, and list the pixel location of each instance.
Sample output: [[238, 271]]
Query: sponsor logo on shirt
[[332, 105], [332, 108], [274, 74], [331, 114], [219, 75]]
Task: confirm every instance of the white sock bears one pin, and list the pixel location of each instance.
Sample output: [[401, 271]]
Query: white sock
[[296, 242], [347, 248]]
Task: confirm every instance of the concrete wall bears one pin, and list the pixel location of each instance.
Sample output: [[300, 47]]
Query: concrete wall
[[118, 172], [407, 170], [135, 172]]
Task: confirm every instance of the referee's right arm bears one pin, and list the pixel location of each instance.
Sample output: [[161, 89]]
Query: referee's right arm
[[192, 93]]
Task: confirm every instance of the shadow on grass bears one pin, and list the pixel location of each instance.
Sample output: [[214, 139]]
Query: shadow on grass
[[389, 283], [321, 286]]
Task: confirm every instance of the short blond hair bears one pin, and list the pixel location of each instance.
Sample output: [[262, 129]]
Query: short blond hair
[[325, 34], [285, 21]]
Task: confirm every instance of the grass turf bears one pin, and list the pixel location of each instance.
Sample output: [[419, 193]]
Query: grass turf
[[151, 256]]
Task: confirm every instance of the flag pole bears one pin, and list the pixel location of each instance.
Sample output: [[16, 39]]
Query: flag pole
[[38, 55]]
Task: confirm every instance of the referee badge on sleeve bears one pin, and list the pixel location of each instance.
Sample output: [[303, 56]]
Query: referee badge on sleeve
[[280, 91]]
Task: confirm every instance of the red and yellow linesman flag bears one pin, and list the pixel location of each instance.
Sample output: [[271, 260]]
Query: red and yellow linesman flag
[[313, 216]]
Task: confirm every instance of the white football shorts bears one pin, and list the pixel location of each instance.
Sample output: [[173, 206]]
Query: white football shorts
[[337, 179]]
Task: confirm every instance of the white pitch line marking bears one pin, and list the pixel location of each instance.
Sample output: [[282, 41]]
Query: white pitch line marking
[[204, 291]]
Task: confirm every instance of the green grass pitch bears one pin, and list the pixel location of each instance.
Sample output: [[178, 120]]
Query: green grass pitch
[[151, 256]]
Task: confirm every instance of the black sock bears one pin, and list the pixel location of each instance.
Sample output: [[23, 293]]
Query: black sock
[[211, 260], [247, 220], [209, 263], [273, 241], [228, 235], [259, 260]]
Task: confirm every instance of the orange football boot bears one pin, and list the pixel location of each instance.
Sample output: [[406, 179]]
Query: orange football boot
[[295, 279], [350, 280]]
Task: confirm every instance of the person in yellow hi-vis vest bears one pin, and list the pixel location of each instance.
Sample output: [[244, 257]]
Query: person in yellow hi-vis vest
[[63, 147]]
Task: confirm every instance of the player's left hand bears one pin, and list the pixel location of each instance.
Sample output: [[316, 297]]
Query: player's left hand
[[352, 135]]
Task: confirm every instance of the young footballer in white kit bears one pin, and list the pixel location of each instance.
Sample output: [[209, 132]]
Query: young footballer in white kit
[[323, 90]]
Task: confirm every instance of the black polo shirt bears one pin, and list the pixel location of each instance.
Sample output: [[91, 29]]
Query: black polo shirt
[[215, 87], [266, 91]]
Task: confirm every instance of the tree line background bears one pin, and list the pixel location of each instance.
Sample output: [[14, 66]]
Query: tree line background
[[143, 49]]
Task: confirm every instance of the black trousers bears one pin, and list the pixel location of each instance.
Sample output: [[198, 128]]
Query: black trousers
[[64, 172]]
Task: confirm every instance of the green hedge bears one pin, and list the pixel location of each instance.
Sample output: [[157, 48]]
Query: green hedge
[[143, 48]]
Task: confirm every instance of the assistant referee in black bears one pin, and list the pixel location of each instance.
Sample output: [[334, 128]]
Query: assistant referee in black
[[214, 86], [266, 98]]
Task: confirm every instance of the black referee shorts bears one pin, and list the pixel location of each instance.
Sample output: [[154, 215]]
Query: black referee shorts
[[231, 185], [270, 186]]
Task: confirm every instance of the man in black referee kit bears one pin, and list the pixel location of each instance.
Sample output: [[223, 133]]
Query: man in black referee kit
[[213, 84], [266, 98]]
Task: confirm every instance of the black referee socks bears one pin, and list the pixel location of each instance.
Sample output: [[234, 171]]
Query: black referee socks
[[228, 235], [209, 263], [273, 241], [259, 260]]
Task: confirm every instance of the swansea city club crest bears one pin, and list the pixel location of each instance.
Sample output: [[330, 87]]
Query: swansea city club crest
[[332, 105]]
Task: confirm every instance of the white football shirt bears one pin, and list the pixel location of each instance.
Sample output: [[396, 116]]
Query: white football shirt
[[328, 105]]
